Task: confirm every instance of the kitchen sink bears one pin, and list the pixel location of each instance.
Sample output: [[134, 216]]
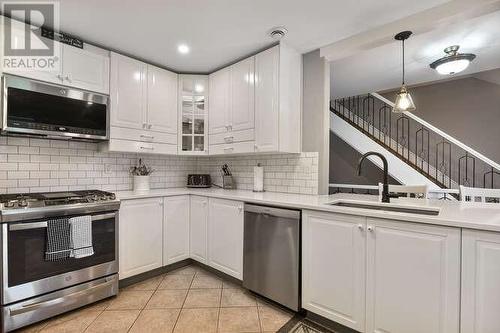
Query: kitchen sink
[[386, 207]]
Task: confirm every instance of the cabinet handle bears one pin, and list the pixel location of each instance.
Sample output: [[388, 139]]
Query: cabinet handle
[[229, 127], [256, 147], [360, 227], [370, 228], [229, 139], [147, 148], [240, 208], [68, 77], [144, 125], [147, 136], [60, 77], [228, 149], [149, 126]]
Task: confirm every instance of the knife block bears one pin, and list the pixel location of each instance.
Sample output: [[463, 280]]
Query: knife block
[[228, 182]]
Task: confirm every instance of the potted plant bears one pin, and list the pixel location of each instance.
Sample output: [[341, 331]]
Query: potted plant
[[141, 174]]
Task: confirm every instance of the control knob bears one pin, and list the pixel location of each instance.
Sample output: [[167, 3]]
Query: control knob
[[22, 203]]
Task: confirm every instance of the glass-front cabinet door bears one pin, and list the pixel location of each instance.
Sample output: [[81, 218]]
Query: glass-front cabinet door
[[193, 114]]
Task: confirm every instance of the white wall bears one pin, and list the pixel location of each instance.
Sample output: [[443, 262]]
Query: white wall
[[315, 113]]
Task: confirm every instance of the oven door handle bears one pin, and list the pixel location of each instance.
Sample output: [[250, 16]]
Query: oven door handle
[[44, 304], [43, 224]]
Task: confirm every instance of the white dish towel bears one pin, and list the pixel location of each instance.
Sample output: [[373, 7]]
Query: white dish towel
[[81, 236]]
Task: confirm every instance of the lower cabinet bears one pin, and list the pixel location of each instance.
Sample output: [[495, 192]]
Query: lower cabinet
[[480, 282], [412, 277], [176, 229], [225, 236], [140, 236], [333, 267], [199, 229], [408, 274]]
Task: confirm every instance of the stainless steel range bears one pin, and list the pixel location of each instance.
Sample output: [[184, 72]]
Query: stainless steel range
[[34, 288]]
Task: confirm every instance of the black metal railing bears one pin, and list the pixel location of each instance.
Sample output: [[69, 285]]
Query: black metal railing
[[443, 162]]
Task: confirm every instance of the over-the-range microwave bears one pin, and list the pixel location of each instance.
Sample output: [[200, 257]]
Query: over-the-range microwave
[[36, 108]]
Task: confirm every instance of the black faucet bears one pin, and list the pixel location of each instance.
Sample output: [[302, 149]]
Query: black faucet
[[385, 191]]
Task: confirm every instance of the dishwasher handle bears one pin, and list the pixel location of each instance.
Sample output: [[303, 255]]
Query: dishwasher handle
[[273, 211]]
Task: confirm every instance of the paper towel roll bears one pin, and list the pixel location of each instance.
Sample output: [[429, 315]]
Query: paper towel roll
[[258, 178]]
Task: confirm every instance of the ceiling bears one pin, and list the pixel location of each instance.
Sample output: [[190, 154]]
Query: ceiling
[[379, 69], [221, 31]]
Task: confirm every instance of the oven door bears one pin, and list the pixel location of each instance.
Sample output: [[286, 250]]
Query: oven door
[[26, 273]]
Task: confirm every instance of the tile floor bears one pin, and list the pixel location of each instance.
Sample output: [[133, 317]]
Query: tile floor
[[187, 300]]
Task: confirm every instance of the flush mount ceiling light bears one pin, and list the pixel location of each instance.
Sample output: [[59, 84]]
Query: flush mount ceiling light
[[404, 102], [453, 62], [183, 49]]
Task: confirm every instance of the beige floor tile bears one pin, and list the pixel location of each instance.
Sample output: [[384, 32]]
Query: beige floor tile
[[273, 318], [230, 285], [206, 282], [113, 321], [167, 299], [156, 321], [73, 322], [197, 321], [203, 298], [176, 281], [240, 319], [130, 300], [149, 284], [237, 297], [186, 270]]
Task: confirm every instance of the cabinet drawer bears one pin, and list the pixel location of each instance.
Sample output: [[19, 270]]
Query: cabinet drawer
[[233, 136], [142, 135], [118, 145], [232, 148]]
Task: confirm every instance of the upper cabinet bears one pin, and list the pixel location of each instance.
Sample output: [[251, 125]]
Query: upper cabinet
[[256, 104], [84, 68], [128, 92], [143, 108], [193, 114], [162, 100]]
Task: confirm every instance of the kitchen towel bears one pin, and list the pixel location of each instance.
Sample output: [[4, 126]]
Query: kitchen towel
[[81, 236], [258, 178], [58, 245]]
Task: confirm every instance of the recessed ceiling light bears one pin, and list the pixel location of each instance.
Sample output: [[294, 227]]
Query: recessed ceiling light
[[183, 49], [453, 62]]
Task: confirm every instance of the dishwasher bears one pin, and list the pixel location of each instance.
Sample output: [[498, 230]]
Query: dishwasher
[[271, 260]]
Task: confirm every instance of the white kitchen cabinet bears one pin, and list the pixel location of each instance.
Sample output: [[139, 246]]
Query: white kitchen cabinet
[[480, 282], [128, 92], [140, 236], [193, 115], [143, 108], [176, 229], [161, 100], [225, 236], [199, 229], [86, 68], [219, 102], [333, 257], [413, 277], [278, 91], [242, 95]]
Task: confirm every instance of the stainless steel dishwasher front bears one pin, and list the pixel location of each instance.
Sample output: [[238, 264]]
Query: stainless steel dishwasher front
[[271, 261]]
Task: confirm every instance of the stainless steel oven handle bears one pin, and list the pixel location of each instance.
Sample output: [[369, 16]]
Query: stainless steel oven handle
[[43, 224], [55, 301]]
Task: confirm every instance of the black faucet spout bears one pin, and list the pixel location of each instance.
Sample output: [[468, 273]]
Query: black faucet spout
[[385, 190]]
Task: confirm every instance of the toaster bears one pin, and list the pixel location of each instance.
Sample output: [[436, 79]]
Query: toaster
[[199, 180]]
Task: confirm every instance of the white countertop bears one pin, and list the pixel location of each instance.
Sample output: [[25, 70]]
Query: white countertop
[[456, 214]]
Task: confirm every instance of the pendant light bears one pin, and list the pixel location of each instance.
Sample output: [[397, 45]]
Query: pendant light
[[404, 102], [453, 62]]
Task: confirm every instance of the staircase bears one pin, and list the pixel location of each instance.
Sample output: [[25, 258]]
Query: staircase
[[430, 152]]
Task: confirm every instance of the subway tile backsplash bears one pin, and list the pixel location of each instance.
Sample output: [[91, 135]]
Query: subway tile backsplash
[[40, 165]]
